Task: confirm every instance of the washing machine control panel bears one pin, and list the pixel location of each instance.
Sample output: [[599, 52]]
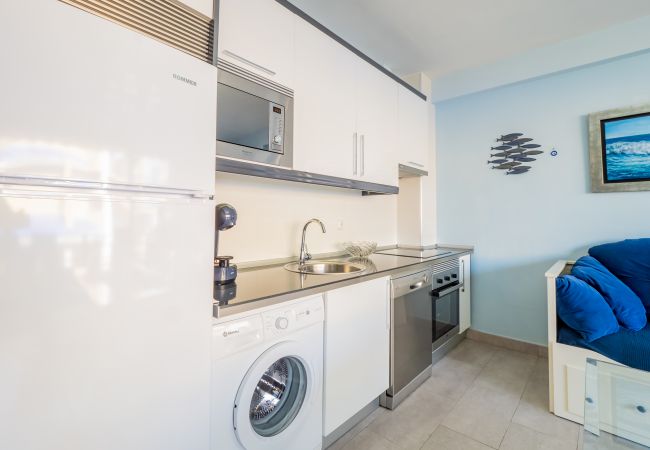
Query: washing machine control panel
[[281, 323], [283, 320], [278, 322]]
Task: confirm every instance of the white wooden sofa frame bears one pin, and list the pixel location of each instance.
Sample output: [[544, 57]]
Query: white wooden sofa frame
[[566, 363]]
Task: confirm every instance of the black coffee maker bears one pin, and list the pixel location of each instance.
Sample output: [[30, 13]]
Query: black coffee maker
[[225, 219]]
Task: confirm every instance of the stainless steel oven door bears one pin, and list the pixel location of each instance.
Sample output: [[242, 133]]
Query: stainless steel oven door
[[254, 122], [410, 329], [445, 314]]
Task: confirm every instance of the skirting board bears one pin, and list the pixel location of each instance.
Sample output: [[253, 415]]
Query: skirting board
[[510, 344]]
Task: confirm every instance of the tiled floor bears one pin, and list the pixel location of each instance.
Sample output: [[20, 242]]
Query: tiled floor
[[480, 397]]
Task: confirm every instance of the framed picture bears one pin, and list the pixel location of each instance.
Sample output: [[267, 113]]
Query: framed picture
[[619, 149]]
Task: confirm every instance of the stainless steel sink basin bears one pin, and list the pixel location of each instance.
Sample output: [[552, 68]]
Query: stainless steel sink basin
[[325, 267]]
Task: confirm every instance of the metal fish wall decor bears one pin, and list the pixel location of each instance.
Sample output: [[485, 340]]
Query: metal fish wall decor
[[512, 150]]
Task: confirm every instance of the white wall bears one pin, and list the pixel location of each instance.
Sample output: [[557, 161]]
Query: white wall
[[271, 214], [622, 39], [521, 224], [429, 202], [409, 212]]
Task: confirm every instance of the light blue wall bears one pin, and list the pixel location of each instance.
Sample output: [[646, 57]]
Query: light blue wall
[[521, 224]]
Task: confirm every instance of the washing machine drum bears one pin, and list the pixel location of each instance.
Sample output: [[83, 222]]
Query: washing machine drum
[[271, 398], [278, 396]]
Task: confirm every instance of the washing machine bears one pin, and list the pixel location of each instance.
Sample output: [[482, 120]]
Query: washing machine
[[267, 378]]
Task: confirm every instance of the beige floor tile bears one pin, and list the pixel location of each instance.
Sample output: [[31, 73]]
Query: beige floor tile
[[540, 371], [451, 378], [358, 428], [445, 439], [533, 413], [519, 437], [507, 371], [472, 352], [367, 440], [413, 421], [483, 414]]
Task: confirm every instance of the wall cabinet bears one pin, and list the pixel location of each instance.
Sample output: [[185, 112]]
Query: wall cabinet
[[413, 129], [257, 35], [324, 105], [357, 339], [350, 119], [464, 297], [376, 120], [345, 112]]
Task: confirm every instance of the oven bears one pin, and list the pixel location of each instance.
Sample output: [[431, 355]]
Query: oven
[[254, 120], [444, 307]]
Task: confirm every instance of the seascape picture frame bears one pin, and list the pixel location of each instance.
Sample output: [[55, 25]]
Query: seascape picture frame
[[619, 149]]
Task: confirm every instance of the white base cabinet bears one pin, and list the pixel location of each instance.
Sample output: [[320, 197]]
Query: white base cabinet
[[357, 339], [465, 295]]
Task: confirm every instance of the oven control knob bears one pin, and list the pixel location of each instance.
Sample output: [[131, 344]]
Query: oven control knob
[[439, 281], [277, 139], [281, 323], [454, 276], [447, 278]]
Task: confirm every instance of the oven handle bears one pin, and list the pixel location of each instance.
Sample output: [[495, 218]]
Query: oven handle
[[442, 293]]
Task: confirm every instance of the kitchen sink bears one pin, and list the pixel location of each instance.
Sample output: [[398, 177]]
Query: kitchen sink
[[325, 267]]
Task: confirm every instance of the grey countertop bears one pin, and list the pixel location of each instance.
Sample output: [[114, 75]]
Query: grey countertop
[[266, 285]]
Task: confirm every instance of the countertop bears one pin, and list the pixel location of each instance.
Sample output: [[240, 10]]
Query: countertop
[[270, 284]]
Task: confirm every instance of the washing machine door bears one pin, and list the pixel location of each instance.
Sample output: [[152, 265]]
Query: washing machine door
[[273, 398]]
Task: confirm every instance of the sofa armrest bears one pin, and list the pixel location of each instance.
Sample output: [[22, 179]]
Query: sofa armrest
[[561, 267]]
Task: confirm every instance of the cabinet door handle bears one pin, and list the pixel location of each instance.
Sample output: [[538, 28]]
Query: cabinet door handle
[[363, 154], [462, 274], [389, 306], [249, 62], [354, 153]]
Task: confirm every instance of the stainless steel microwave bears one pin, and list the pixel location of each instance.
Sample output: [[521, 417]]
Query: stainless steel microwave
[[254, 121]]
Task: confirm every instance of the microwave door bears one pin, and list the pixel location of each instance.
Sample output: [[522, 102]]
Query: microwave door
[[242, 118]]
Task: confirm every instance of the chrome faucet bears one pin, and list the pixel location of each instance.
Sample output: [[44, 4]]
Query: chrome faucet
[[304, 253]]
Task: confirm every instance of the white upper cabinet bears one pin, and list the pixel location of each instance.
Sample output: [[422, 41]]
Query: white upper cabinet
[[376, 125], [258, 35], [203, 6], [324, 105], [345, 112], [413, 129], [351, 120]]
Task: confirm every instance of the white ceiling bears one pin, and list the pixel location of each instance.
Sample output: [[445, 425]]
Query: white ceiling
[[441, 37]]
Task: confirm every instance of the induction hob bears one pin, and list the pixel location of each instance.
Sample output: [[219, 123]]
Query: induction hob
[[415, 253]]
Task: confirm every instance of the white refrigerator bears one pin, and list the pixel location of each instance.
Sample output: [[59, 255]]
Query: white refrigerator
[[106, 234]]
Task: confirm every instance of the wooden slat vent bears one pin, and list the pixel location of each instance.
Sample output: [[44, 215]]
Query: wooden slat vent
[[168, 21]]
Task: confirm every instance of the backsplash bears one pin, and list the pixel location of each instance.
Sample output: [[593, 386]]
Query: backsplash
[[271, 214]]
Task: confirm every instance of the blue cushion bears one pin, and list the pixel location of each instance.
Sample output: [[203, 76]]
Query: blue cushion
[[627, 307], [631, 348], [583, 308], [629, 260]]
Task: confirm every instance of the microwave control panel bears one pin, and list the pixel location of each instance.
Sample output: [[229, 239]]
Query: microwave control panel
[[276, 128]]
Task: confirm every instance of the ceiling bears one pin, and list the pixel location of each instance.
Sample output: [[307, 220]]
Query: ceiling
[[441, 37]]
